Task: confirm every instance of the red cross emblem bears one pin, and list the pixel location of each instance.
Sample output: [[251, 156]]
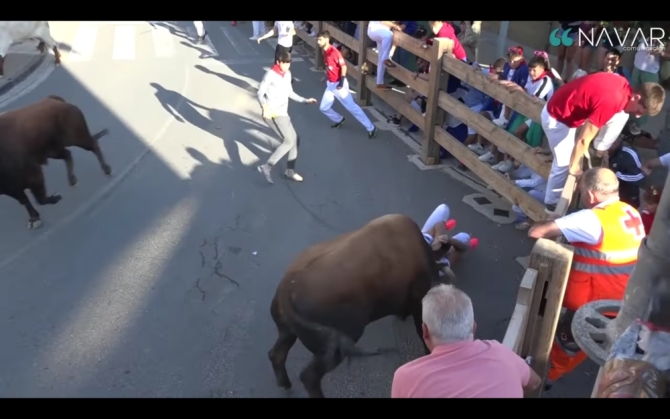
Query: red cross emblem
[[633, 224]]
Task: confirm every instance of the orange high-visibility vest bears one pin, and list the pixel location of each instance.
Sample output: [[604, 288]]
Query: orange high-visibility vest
[[601, 271]]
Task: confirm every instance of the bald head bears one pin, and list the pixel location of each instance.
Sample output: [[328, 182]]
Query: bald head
[[598, 184]]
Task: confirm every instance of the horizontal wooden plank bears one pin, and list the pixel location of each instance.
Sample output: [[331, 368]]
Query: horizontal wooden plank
[[340, 36], [352, 71], [396, 101], [402, 74], [310, 41], [411, 44], [529, 106], [498, 136], [529, 205]]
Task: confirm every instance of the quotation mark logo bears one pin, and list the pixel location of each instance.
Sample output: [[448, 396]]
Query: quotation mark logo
[[564, 40]]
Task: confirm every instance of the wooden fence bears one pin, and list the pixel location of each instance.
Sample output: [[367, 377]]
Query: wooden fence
[[533, 323]]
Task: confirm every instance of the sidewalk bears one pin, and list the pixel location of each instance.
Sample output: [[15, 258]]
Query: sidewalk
[[20, 62]]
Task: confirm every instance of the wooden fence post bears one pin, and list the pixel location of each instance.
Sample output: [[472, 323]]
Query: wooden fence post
[[318, 57], [430, 150], [362, 92]]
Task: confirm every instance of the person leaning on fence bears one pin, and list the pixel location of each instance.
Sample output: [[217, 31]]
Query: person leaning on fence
[[540, 84], [460, 366], [489, 108], [599, 103], [515, 71], [274, 93], [606, 237]]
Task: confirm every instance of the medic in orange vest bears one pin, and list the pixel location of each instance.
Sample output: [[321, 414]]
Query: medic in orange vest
[[606, 237]]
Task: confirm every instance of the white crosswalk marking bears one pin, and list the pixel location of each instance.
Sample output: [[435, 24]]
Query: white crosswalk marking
[[163, 42], [83, 44], [124, 43]]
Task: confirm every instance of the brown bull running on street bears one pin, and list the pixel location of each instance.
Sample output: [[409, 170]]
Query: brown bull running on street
[[333, 290], [31, 135]]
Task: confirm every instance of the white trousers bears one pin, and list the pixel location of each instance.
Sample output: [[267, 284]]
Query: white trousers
[[561, 141], [384, 39], [441, 215], [199, 27], [345, 98], [258, 27], [610, 132]]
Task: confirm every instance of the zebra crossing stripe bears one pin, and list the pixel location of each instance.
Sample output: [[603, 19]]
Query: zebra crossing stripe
[[124, 43], [163, 42], [83, 44]]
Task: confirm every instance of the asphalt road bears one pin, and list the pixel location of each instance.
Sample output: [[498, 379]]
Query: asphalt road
[[157, 282]]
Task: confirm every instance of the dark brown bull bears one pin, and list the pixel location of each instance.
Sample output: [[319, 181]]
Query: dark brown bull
[[31, 135], [333, 290]]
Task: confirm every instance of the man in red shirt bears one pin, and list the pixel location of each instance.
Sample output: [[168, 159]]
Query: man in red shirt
[[596, 102], [338, 87], [445, 30]]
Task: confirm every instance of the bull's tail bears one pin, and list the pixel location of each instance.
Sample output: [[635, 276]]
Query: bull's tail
[[337, 343], [100, 134]]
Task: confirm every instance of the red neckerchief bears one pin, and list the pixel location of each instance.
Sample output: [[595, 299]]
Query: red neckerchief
[[541, 76], [278, 70]]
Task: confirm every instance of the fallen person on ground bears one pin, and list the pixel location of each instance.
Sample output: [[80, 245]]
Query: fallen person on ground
[[460, 366], [448, 250]]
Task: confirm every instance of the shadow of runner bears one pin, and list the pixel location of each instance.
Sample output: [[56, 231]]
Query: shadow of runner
[[229, 127]]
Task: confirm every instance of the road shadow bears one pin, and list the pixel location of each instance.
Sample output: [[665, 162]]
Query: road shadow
[[242, 84], [229, 127]]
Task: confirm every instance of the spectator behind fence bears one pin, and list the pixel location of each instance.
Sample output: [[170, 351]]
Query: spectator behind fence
[[540, 84], [469, 38], [651, 199], [460, 366]]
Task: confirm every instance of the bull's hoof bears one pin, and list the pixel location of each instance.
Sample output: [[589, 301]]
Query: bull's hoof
[[54, 199], [33, 224], [107, 170], [72, 179]]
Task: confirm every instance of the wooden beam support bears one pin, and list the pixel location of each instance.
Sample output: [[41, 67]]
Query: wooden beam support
[[516, 329], [498, 136], [529, 106], [552, 261], [396, 101], [362, 94], [318, 58], [311, 42], [402, 74], [341, 36], [430, 150], [529, 205]]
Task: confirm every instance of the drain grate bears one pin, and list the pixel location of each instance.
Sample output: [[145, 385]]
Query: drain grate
[[500, 213], [481, 200]]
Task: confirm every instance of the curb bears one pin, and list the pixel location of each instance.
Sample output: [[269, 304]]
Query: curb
[[23, 74]]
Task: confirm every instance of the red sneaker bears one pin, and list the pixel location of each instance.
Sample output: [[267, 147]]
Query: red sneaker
[[474, 242], [234, 23], [450, 224]]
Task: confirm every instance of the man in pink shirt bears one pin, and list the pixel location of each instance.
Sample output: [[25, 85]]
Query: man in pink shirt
[[460, 366]]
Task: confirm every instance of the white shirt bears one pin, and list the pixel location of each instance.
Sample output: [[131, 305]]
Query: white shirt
[[284, 37], [645, 61], [583, 226], [665, 160], [373, 25], [511, 73], [533, 88]]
